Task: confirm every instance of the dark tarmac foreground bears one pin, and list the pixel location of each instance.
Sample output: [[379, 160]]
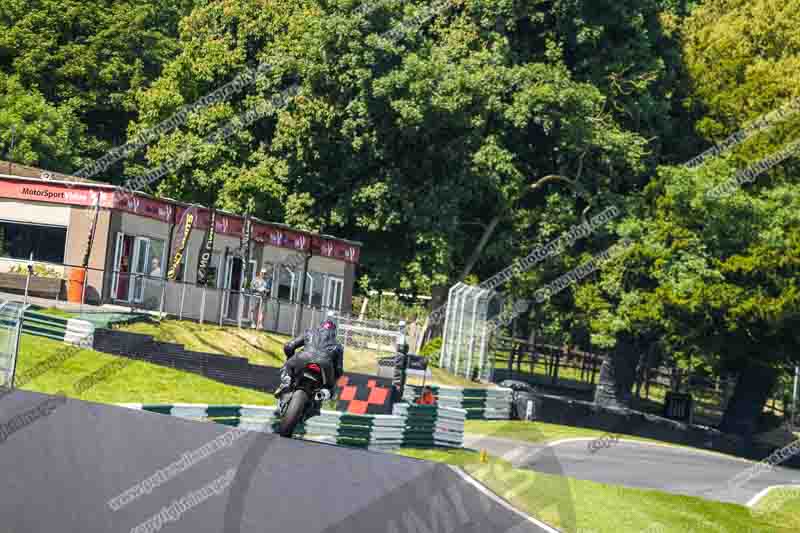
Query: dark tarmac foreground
[[64, 460]]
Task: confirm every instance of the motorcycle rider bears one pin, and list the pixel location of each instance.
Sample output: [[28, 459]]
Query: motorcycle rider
[[322, 348]]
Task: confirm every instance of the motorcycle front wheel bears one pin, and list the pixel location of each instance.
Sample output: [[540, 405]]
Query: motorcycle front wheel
[[294, 413]]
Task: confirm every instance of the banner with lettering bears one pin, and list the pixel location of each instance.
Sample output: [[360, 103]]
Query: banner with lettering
[[246, 237], [54, 193], [207, 249], [186, 224], [142, 206]]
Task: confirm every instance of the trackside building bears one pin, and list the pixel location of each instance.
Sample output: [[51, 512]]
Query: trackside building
[[137, 238]]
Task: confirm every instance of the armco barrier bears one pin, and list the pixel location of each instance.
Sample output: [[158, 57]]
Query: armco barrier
[[431, 426], [480, 404], [374, 432], [70, 330]]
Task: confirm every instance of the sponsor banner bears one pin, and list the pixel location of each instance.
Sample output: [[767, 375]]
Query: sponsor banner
[[288, 239], [261, 233], [146, 207], [186, 225], [347, 252], [336, 249], [54, 193], [224, 224], [205, 252], [229, 225], [244, 245], [322, 247], [201, 216]]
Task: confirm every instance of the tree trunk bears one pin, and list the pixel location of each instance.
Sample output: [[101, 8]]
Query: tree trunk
[[438, 299], [753, 387], [476, 253], [617, 375]]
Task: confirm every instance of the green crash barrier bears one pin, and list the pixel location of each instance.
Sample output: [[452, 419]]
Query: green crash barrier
[[410, 426]]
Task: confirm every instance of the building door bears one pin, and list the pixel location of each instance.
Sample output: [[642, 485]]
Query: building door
[[234, 276], [121, 276], [141, 260]]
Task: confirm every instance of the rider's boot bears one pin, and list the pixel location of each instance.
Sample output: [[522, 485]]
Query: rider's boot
[[286, 380]]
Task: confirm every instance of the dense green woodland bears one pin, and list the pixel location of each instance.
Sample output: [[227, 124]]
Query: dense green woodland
[[464, 145]]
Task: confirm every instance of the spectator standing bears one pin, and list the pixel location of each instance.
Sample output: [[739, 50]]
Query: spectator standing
[[260, 291], [155, 268]]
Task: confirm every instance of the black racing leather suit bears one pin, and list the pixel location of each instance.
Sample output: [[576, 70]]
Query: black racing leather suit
[[321, 347]]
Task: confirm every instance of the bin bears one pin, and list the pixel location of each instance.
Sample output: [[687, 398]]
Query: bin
[[678, 406], [75, 285]]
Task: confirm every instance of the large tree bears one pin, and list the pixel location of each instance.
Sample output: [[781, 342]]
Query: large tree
[[33, 131], [91, 56], [716, 276], [424, 147]]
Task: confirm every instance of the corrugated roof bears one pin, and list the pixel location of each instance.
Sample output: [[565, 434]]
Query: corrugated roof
[[25, 171]]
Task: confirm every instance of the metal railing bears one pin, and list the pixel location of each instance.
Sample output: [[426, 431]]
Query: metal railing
[[98, 290]]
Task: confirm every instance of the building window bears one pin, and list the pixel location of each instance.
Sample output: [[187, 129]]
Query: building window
[[316, 286], [212, 276], [286, 283], [47, 243], [332, 292], [156, 268]]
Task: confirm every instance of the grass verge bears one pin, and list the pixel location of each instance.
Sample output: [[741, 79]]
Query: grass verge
[[137, 382], [602, 508]]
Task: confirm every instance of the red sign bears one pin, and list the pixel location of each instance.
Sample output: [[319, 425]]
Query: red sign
[[348, 252], [322, 247], [336, 249], [229, 225], [142, 206], [261, 232], [298, 241], [53, 193]]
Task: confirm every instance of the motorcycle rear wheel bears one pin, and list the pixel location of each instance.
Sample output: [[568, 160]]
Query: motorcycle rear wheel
[[294, 413]]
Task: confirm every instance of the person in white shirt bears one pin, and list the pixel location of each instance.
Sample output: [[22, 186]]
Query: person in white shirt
[[260, 290]]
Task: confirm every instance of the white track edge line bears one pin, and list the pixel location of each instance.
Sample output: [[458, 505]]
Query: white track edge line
[[491, 494], [755, 499]]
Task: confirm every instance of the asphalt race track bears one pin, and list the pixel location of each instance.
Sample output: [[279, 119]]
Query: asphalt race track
[[641, 465], [61, 468]]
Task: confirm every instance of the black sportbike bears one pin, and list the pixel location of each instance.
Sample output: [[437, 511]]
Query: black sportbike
[[302, 399]]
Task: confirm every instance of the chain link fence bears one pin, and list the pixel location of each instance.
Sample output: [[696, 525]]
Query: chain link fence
[[368, 334]]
